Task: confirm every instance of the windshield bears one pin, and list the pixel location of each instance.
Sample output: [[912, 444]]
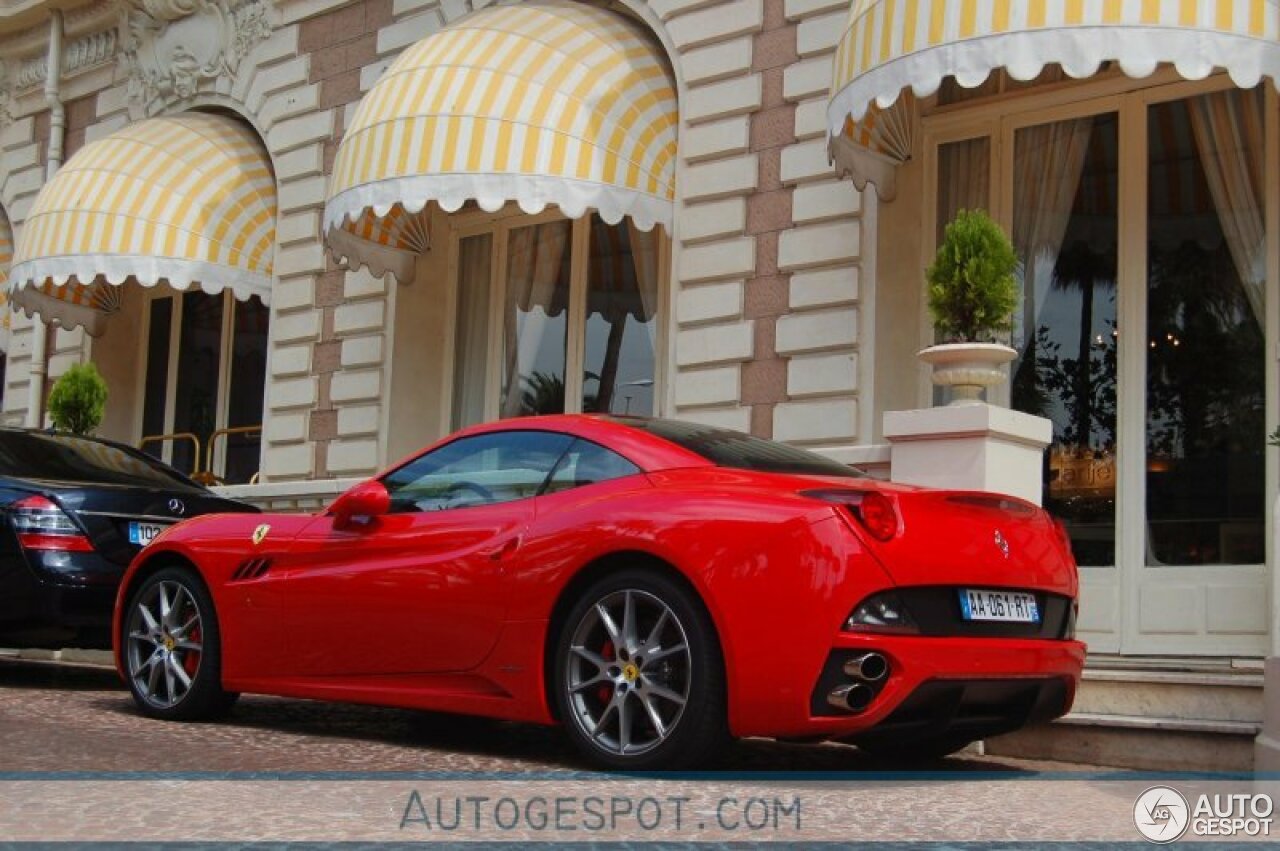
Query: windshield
[[67, 458], [727, 448]]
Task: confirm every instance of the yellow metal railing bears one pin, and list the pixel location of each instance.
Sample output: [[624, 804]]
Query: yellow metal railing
[[175, 437], [213, 440], [204, 476]]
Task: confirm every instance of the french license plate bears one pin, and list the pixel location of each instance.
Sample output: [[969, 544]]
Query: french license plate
[[143, 533], [982, 605]]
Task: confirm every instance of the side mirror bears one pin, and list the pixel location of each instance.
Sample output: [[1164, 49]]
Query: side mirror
[[366, 501]]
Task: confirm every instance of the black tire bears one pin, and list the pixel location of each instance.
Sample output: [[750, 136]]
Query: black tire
[[698, 729], [204, 698]]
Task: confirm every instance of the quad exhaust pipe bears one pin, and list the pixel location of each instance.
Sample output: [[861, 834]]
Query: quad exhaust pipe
[[854, 696], [869, 667]]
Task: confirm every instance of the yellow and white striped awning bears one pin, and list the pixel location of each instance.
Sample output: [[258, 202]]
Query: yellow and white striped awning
[[893, 46], [545, 102], [187, 200]]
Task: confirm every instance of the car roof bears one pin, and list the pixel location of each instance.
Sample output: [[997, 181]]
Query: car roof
[[132, 451], [647, 451]]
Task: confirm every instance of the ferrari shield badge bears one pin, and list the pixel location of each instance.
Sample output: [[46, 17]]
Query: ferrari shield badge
[[260, 533]]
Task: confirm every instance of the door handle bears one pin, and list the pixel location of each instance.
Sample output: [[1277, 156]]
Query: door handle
[[504, 549]]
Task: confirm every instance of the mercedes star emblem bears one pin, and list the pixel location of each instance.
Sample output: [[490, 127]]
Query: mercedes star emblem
[[176, 506]]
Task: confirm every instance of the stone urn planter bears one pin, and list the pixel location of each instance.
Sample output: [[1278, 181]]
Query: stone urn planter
[[968, 368]]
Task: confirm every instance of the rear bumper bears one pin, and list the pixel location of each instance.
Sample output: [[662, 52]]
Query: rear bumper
[[66, 603], [934, 686]]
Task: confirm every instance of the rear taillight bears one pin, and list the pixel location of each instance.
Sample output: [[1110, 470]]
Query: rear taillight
[[873, 510], [41, 525]]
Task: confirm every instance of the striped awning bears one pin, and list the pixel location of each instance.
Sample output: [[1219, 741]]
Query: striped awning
[[545, 102], [187, 200], [894, 46]]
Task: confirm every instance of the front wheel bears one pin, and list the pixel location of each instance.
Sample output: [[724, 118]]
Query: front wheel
[[172, 650], [638, 678]]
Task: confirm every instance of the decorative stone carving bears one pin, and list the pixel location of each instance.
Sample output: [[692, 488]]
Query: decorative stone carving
[[77, 55], [171, 46], [6, 95]]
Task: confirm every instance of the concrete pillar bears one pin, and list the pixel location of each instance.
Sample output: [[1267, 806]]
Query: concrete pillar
[[969, 447], [1266, 747]]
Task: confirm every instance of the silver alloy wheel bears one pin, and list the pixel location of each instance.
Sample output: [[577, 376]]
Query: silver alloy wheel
[[164, 644], [629, 672]]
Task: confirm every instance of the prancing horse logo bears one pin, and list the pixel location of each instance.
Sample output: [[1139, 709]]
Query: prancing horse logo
[[260, 533], [1002, 543]]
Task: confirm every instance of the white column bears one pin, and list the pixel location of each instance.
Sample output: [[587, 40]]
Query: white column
[[969, 447]]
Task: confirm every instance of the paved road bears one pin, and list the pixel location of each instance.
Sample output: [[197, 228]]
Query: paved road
[[79, 719], [76, 718]]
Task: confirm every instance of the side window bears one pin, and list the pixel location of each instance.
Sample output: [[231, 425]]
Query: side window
[[480, 470], [587, 463]]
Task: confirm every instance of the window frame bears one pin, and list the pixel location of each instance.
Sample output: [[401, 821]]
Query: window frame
[[570, 439], [223, 392], [476, 222], [546, 489]]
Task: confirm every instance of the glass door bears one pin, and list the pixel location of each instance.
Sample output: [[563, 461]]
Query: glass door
[[1141, 224], [1196, 553], [1065, 228], [205, 376]]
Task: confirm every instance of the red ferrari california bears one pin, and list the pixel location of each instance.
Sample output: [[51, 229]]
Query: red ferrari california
[[653, 586]]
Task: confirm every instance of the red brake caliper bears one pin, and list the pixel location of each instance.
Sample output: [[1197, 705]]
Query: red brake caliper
[[191, 659], [605, 692]]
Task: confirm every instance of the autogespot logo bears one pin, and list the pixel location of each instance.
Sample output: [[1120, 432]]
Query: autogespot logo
[[1161, 814]]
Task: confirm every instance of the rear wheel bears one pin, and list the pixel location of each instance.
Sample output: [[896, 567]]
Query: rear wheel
[[172, 650], [639, 680]]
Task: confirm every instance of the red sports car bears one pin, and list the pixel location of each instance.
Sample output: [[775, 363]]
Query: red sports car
[[653, 586]]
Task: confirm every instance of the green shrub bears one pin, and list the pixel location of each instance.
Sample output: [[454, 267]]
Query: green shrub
[[77, 400], [972, 289]]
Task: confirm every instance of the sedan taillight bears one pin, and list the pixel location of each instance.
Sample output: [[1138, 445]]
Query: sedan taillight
[[874, 510], [41, 525]]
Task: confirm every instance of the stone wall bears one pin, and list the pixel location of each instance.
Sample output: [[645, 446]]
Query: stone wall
[[765, 330], [768, 272]]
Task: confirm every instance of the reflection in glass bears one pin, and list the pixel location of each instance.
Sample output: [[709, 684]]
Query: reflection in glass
[[964, 179], [622, 329], [472, 337], [244, 400], [1064, 232], [1205, 429], [535, 321], [156, 389], [196, 400], [964, 183]]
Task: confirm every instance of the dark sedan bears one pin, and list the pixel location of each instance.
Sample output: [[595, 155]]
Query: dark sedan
[[73, 512]]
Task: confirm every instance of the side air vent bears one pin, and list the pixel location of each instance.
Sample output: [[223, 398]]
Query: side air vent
[[253, 568]]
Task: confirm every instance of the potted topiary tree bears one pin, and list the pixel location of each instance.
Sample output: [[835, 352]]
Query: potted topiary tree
[[77, 400], [972, 296]]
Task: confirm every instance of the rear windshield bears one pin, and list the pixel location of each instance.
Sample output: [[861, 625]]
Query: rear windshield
[[727, 448], [65, 458]]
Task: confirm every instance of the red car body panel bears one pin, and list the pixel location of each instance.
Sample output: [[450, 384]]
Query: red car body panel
[[451, 610]]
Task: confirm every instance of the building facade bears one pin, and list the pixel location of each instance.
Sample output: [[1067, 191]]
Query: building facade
[[301, 238]]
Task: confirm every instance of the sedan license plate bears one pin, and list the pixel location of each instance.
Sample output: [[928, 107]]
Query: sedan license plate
[[143, 533], [983, 605]]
